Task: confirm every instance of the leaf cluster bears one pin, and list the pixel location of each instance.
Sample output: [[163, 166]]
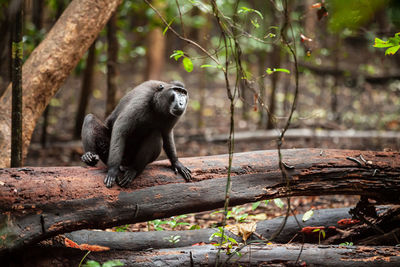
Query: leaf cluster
[[392, 44]]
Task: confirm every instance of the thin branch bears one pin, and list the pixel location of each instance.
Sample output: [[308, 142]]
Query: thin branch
[[180, 16], [182, 37]]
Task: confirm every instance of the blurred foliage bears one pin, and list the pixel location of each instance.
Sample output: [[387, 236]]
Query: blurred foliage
[[352, 14], [32, 37]]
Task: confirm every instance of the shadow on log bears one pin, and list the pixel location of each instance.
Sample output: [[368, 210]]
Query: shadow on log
[[37, 203]]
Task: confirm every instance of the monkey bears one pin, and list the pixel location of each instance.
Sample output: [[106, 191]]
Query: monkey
[[133, 135]]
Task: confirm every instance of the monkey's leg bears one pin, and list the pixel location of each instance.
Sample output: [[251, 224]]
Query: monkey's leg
[[148, 152], [95, 140]]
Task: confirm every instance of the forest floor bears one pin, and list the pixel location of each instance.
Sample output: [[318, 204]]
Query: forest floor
[[61, 150]]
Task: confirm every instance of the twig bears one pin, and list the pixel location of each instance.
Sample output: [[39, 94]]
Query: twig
[[180, 16], [355, 160], [182, 37]]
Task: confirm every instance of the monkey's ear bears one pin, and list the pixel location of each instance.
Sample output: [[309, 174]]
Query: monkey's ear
[[178, 83], [160, 87]]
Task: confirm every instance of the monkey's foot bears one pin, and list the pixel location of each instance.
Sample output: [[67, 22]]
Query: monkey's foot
[[111, 177], [126, 178], [90, 158]]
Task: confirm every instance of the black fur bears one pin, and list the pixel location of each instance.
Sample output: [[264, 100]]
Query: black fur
[[132, 136]]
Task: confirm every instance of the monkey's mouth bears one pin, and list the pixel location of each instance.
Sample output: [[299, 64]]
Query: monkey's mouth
[[177, 112]]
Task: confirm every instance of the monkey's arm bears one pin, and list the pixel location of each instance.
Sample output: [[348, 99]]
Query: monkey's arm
[[169, 148], [117, 148]]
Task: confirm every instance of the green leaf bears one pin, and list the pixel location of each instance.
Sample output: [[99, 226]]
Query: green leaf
[[195, 227], [283, 70], [258, 13], [392, 44], [323, 234], [255, 23], [112, 263], [183, 223], [392, 50], [270, 35], [279, 203], [269, 71], [394, 40], [346, 244], [255, 205], [216, 234], [211, 66], [380, 43], [308, 215], [208, 66], [187, 64], [233, 241], [250, 10], [316, 230], [167, 27], [177, 54], [91, 263]]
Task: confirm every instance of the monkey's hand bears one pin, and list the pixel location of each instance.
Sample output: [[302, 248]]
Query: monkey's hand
[[127, 178], [185, 172], [111, 176], [90, 158]]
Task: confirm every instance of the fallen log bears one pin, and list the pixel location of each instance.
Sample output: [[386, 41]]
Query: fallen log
[[206, 255], [37, 203], [160, 239], [327, 70], [260, 135]]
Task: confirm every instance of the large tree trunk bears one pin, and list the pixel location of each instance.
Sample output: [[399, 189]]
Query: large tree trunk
[[37, 203], [206, 255], [50, 64]]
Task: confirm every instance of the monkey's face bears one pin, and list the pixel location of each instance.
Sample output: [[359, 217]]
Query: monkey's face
[[178, 98], [172, 99]]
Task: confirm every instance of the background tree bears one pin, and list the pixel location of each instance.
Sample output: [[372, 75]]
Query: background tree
[[86, 89], [112, 62], [155, 43]]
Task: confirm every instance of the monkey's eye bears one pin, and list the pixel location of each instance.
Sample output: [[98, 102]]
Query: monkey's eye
[[180, 90], [160, 87]]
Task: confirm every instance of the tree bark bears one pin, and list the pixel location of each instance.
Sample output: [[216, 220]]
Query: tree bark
[[37, 203], [50, 64], [16, 114], [254, 255]]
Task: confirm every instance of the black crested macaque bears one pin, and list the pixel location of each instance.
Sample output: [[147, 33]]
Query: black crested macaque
[[133, 134]]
